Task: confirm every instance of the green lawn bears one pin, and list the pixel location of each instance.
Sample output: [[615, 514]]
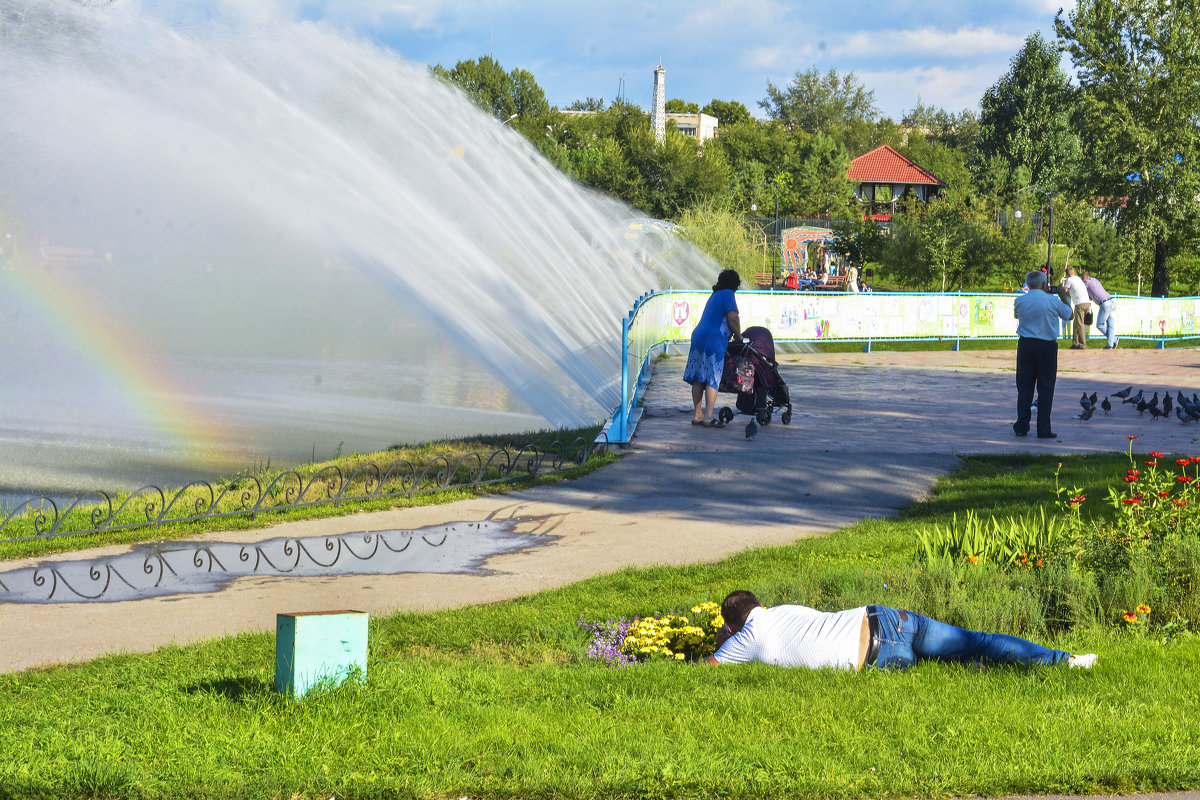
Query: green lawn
[[499, 700]]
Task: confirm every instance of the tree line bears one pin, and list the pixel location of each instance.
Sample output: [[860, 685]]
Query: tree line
[[1113, 148]]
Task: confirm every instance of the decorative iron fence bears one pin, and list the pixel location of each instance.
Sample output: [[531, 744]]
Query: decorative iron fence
[[246, 496]]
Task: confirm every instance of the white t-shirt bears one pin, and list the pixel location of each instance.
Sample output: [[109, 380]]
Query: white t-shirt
[[1078, 290], [797, 636]]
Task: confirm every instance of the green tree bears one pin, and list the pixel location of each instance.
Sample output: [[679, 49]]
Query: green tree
[[958, 131], [833, 104], [820, 184], [677, 106], [727, 112], [505, 95], [1027, 116], [593, 104], [1138, 66], [942, 245]]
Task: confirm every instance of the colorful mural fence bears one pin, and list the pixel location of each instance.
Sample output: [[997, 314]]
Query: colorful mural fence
[[663, 318], [794, 242]]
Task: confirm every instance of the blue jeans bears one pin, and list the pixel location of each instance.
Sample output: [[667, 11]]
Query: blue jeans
[[1106, 321], [905, 638]]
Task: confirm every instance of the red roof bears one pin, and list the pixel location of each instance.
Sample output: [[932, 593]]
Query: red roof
[[885, 165]]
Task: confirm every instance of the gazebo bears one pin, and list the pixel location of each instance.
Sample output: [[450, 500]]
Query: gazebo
[[883, 171]]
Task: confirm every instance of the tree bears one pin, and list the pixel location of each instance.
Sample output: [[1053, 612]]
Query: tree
[[593, 104], [504, 95], [1138, 66], [727, 112], [833, 104], [1027, 116], [677, 106]]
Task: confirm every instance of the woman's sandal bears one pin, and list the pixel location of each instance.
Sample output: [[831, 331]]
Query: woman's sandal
[[714, 423]]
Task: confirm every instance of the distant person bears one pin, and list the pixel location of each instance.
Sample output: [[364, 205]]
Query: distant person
[[1106, 316], [852, 278], [1038, 313], [1081, 304], [719, 322], [867, 636]]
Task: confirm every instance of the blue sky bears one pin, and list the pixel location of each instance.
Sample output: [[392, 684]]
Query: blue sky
[[943, 52]]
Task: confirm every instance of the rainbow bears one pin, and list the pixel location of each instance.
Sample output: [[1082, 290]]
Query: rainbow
[[153, 393]]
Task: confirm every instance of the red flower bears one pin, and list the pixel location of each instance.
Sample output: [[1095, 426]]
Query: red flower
[[1163, 494], [1195, 459], [1135, 472], [1130, 437], [1151, 463], [1184, 479], [1155, 454], [1180, 502], [1129, 617], [1183, 462], [1131, 501], [1131, 478], [1039, 562], [1076, 500]]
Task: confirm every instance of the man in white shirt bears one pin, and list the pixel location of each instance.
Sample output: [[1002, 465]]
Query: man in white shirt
[[1081, 304], [869, 636]]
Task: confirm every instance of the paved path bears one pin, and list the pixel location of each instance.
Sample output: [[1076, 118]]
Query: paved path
[[871, 432]]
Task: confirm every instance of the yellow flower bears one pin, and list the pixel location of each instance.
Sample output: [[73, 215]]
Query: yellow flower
[[679, 656], [1143, 609], [1129, 617], [973, 559]]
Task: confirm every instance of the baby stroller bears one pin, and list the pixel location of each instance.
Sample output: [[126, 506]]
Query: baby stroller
[[751, 373]]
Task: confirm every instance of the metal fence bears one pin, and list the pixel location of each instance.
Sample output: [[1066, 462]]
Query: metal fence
[[248, 496]]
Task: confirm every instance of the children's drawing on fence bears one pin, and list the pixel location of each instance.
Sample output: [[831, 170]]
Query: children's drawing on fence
[[790, 317], [985, 312], [794, 245]]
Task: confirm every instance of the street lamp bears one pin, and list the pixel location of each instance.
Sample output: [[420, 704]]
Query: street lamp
[[774, 230], [1050, 195]]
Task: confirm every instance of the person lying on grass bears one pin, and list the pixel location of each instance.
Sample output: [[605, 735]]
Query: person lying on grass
[[875, 636]]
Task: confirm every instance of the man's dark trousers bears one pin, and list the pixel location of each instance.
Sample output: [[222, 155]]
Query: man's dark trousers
[[1037, 367]]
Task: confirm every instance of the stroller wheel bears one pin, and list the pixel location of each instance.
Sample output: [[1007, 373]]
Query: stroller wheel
[[764, 417], [786, 417], [725, 415]]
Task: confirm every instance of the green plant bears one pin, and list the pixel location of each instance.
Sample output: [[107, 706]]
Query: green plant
[[1010, 541]]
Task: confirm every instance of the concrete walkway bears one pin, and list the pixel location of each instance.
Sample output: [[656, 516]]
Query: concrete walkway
[[871, 433]]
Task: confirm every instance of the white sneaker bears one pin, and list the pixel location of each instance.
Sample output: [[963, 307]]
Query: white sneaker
[[1083, 662]]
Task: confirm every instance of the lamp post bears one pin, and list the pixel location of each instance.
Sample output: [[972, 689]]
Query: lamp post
[[1050, 195]]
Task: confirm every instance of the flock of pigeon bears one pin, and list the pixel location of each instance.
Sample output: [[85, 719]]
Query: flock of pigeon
[[1185, 410]]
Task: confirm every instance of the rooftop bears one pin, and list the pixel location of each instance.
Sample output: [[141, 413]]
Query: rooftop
[[885, 165]]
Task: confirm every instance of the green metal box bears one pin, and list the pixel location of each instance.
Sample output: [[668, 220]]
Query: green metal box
[[319, 647]]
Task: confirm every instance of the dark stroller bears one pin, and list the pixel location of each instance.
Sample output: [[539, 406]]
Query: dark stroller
[[751, 373]]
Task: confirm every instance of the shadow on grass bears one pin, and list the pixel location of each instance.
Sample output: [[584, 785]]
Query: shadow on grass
[[236, 690]]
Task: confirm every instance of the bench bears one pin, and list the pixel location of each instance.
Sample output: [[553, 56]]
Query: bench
[[69, 255], [833, 283], [765, 280]]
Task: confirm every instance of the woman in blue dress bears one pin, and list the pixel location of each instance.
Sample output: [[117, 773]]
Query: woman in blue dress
[[718, 324]]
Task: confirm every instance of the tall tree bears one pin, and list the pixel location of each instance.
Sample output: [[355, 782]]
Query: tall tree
[[1138, 66], [1027, 116], [833, 104], [727, 112], [677, 106], [504, 95]]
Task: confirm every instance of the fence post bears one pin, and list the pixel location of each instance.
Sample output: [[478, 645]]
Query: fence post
[[623, 411]]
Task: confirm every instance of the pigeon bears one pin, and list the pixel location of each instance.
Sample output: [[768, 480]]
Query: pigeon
[[1167, 403], [1179, 398], [1154, 400], [1086, 414], [1107, 406], [1183, 415], [752, 430], [1142, 405], [1092, 399], [1156, 412], [1085, 403], [1133, 398], [1123, 393]]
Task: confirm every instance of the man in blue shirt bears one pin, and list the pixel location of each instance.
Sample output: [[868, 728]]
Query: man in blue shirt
[[1038, 313]]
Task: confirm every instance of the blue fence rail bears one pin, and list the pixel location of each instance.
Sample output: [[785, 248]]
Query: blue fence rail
[[659, 319]]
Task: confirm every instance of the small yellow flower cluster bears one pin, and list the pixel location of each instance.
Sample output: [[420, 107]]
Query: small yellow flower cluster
[[679, 637]]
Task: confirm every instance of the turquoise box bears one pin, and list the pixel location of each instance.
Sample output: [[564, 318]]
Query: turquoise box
[[319, 648]]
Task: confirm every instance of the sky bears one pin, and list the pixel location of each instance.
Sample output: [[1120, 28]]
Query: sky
[[938, 52]]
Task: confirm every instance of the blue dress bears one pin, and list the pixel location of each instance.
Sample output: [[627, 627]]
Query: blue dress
[[706, 359]]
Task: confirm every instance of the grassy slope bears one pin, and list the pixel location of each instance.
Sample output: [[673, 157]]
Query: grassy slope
[[496, 700]]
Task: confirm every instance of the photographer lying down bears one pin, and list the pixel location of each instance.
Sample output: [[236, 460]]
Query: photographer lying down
[[874, 636]]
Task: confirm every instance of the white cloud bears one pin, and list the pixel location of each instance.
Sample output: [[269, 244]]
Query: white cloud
[[953, 89], [961, 43]]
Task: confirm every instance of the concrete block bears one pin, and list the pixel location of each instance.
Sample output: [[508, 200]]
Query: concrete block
[[318, 647]]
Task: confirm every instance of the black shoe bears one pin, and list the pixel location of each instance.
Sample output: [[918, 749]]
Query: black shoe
[[1020, 432], [1047, 435]]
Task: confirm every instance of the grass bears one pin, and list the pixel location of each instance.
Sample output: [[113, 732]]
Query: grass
[[421, 469], [498, 701]]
